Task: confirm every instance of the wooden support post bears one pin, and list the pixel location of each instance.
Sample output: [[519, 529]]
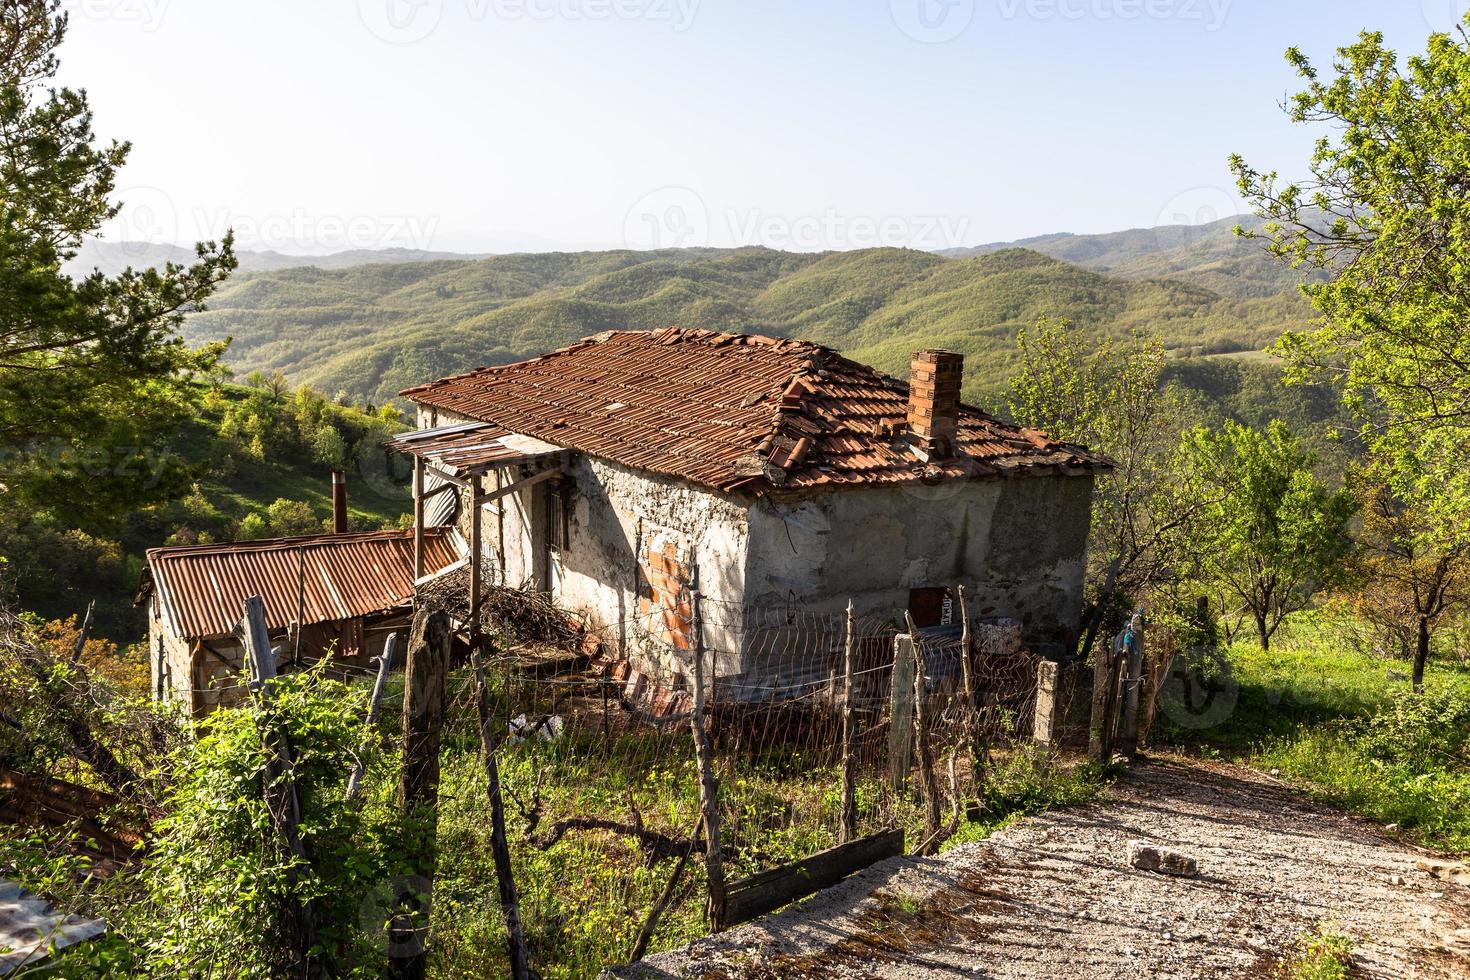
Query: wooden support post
[[927, 783], [510, 906], [418, 517], [1045, 721], [418, 790], [476, 560], [709, 787], [849, 775], [901, 713], [281, 799], [380, 683]]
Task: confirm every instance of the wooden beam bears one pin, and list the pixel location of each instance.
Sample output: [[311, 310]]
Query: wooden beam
[[770, 890], [445, 475], [476, 560], [418, 517], [445, 488], [519, 485]]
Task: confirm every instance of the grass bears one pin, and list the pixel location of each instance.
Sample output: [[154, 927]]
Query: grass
[[1321, 955], [1341, 721]]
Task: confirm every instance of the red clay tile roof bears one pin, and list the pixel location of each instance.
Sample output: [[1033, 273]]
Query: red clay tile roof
[[733, 411], [202, 588]]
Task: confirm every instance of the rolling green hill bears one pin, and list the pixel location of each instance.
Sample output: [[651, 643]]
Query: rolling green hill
[[1208, 255], [371, 330]]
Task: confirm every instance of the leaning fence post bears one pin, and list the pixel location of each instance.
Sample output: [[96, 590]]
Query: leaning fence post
[[901, 713], [385, 664], [418, 789], [972, 687], [281, 800], [709, 787], [849, 779], [927, 784]]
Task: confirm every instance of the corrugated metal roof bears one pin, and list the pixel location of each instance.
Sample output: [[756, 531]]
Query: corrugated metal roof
[[735, 411], [202, 588], [471, 446]]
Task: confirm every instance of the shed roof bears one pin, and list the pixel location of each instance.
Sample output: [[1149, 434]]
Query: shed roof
[[736, 411], [202, 588]]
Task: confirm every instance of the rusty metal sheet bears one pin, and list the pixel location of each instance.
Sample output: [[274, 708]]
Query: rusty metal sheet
[[202, 588]]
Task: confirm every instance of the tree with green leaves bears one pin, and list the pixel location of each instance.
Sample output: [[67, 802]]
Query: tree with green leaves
[[1268, 532], [92, 371], [1108, 396], [1386, 211]]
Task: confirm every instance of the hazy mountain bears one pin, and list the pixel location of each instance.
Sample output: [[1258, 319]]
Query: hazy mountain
[[371, 330], [113, 257], [1209, 255]]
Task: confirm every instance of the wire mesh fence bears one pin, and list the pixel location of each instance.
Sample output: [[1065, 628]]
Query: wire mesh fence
[[823, 728]]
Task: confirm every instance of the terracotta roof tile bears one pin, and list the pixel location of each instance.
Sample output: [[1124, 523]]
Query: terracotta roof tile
[[699, 404]]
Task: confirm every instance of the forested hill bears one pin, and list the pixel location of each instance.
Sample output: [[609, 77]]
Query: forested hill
[[372, 330], [1209, 255]]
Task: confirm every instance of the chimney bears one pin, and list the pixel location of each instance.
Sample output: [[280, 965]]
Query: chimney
[[934, 400], [339, 502]]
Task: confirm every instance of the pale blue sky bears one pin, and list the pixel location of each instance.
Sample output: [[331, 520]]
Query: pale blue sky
[[316, 125]]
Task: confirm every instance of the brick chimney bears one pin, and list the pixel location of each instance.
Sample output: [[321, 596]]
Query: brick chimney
[[934, 400], [339, 502]]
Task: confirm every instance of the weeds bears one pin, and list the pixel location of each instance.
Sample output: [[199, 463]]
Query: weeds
[[1320, 955]]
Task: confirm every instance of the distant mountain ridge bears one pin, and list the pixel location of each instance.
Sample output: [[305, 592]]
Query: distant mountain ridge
[[1209, 255], [114, 257], [372, 330]]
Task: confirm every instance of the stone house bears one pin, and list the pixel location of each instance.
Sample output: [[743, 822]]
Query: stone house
[[623, 471]]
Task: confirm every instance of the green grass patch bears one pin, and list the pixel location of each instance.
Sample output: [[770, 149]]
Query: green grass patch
[[1321, 955]]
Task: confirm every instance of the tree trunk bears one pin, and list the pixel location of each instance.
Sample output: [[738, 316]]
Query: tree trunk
[[1263, 632], [1421, 655]]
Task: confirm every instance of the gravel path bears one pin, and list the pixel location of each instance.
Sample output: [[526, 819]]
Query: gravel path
[[1054, 897]]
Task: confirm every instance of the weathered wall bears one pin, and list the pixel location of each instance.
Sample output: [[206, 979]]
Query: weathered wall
[[1017, 546]]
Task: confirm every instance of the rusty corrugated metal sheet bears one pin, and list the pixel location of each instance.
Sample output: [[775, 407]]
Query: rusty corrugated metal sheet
[[731, 411], [202, 588]]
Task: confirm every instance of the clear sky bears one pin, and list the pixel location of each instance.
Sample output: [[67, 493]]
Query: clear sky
[[499, 125]]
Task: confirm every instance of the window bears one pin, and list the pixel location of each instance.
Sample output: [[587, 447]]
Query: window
[[559, 516]]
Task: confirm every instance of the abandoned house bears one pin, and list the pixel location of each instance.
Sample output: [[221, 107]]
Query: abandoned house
[[624, 471], [343, 593]]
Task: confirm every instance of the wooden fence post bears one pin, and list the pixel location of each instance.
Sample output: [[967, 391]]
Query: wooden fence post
[[901, 713], [973, 735], [849, 776], [709, 787], [385, 664], [281, 799], [927, 785], [424, 677], [510, 905], [1044, 724]]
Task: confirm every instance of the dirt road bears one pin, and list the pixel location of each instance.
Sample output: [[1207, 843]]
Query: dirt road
[[1055, 897]]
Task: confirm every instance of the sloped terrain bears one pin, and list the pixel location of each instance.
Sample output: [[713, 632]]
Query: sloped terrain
[[1055, 897]]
